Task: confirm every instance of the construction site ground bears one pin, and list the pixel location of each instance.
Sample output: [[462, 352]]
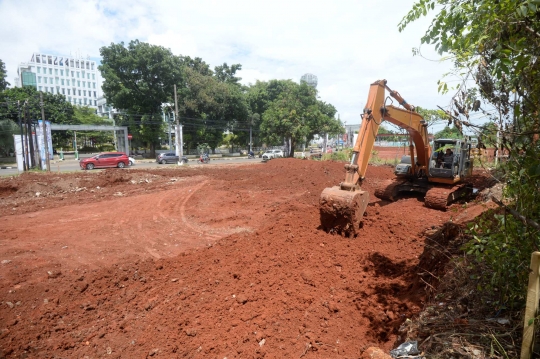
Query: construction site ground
[[217, 261]]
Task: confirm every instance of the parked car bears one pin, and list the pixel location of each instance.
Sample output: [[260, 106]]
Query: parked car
[[132, 161], [270, 154], [107, 159], [169, 157]]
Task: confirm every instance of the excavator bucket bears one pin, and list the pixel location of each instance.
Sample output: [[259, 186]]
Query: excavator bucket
[[342, 211]]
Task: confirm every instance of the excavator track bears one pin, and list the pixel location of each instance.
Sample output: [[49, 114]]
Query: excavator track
[[441, 197], [387, 190]]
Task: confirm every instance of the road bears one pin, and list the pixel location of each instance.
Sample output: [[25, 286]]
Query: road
[[73, 165]]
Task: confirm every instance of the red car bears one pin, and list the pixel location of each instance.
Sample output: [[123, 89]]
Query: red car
[[108, 159]]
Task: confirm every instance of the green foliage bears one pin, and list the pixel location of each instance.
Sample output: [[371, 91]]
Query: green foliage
[[506, 254], [8, 128], [295, 114], [496, 43], [138, 79], [212, 107], [3, 74], [343, 156], [449, 132], [56, 108], [87, 116]]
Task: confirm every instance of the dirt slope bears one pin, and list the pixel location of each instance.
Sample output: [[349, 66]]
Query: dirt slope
[[214, 262]]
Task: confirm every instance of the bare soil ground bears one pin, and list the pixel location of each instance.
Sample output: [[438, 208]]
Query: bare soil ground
[[213, 262]]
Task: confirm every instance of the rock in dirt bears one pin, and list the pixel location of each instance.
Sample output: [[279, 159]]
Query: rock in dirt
[[375, 353], [54, 273]]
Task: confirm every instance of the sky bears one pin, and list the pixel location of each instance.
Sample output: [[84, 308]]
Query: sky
[[347, 44]]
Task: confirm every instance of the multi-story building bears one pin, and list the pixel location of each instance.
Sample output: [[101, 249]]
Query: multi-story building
[[75, 78]]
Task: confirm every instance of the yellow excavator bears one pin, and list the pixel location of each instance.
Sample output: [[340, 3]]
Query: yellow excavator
[[436, 170]]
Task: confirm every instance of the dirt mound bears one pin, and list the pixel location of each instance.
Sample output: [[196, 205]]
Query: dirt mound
[[210, 262]]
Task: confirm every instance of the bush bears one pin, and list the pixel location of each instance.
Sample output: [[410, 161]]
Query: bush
[[88, 149], [106, 148], [337, 156]]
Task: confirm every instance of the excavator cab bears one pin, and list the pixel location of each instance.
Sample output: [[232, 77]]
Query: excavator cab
[[450, 160]]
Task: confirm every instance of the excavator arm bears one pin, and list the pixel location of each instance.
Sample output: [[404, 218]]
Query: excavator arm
[[342, 207]]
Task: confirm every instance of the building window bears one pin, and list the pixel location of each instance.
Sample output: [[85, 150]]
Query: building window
[[46, 89], [40, 88], [78, 73], [62, 82], [94, 85], [84, 92], [67, 82], [84, 84], [95, 94], [49, 58], [72, 74], [63, 91], [69, 92], [39, 70], [92, 66], [79, 92], [87, 65], [61, 72], [69, 98], [95, 102], [50, 71], [44, 80], [56, 72], [80, 101], [78, 83], [39, 79], [57, 80], [93, 76], [85, 101]]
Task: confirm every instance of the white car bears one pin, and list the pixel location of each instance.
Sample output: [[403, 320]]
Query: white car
[[268, 155], [131, 161]]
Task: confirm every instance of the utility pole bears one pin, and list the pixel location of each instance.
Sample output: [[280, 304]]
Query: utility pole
[[168, 119], [22, 134], [111, 117], [179, 141], [30, 143], [45, 137]]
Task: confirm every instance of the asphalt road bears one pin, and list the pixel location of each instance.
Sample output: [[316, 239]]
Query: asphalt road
[[73, 165]]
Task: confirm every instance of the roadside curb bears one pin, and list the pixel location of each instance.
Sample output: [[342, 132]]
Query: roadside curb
[[8, 167]]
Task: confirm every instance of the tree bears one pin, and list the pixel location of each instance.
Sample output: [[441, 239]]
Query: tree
[[297, 115], [496, 43], [449, 132], [8, 128], [85, 115], [226, 74], [138, 79], [3, 74]]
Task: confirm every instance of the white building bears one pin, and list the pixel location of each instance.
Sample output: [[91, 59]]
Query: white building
[[76, 78]]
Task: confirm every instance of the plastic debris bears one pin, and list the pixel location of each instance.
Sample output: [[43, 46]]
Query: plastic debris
[[407, 349]]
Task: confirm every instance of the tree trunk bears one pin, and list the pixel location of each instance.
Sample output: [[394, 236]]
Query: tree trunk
[[152, 150], [293, 145]]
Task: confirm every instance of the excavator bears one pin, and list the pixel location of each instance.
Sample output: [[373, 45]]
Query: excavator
[[424, 171]]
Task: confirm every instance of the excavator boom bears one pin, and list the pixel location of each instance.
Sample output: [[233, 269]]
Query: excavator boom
[[342, 207]]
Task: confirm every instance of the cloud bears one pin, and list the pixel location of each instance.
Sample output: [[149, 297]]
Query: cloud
[[347, 44]]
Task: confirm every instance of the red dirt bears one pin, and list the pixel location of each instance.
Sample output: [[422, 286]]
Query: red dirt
[[213, 262]]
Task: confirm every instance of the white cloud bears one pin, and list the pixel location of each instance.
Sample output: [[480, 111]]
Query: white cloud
[[347, 44]]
